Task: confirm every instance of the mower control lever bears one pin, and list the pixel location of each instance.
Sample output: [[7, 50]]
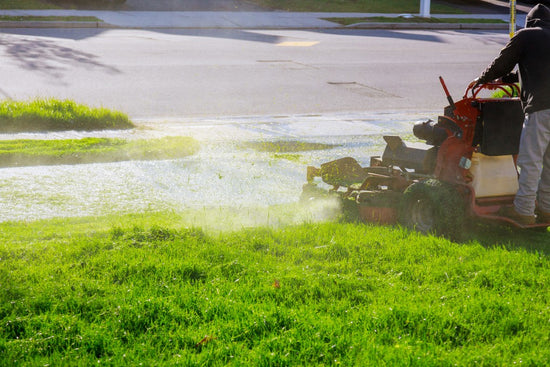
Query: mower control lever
[[449, 98]]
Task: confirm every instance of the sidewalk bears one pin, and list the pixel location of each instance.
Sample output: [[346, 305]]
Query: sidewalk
[[236, 20]]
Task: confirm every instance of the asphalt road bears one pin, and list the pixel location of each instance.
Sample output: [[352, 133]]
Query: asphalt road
[[188, 73]]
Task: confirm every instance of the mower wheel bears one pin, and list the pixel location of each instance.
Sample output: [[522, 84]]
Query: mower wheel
[[432, 206]]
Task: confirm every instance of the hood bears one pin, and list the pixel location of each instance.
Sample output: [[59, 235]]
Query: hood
[[539, 16]]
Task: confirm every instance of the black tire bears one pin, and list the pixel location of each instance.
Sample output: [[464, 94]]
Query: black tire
[[435, 207]]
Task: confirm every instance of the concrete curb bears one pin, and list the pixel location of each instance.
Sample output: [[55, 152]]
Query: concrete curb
[[430, 26]]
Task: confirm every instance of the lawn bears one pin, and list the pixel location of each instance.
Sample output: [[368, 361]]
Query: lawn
[[361, 6], [26, 4], [156, 290], [56, 4]]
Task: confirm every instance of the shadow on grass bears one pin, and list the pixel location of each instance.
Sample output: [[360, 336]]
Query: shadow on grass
[[535, 240], [490, 235]]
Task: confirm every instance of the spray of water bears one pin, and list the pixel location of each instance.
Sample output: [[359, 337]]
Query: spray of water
[[223, 185]]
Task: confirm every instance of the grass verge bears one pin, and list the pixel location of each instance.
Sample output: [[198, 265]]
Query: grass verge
[[55, 115], [28, 18], [26, 4], [92, 150], [60, 4], [361, 6], [312, 294], [350, 21]]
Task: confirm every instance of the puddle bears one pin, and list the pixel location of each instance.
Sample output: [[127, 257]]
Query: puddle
[[221, 174]]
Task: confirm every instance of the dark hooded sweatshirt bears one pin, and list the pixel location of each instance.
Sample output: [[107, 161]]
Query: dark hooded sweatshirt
[[530, 50]]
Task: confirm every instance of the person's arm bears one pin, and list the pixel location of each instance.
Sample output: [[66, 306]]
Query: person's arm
[[511, 78], [505, 62]]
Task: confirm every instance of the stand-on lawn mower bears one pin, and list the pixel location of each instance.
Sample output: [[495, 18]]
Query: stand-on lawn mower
[[467, 169]]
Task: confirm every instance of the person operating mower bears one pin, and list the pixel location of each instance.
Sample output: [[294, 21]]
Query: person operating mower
[[529, 49]]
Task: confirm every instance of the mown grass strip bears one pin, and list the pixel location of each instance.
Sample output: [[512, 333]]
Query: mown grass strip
[[350, 21], [29, 18], [312, 294], [26, 152], [56, 115], [288, 157], [26, 4], [285, 146], [60, 4], [361, 6]]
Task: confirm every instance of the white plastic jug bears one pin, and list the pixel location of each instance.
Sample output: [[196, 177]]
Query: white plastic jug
[[494, 175]]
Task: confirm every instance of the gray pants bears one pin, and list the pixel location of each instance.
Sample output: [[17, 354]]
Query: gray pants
[[534, 164]]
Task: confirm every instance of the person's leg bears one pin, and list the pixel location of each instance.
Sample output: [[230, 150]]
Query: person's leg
[[535, 138], [544, 184]]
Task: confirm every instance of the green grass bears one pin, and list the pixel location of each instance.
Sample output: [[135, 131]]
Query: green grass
[[362, 6], [26, 4], [288, 156], [155, 291], [55, 115], [91, 150], [285, 146], [350, 21], [55, 4], [8, 18], [506, 92]]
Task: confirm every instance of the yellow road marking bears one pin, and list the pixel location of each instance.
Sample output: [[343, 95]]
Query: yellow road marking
[[298, 43]]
